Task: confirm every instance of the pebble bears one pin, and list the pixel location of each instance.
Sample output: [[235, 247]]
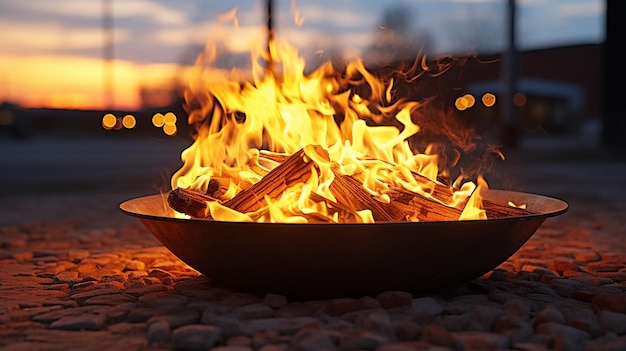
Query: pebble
[[195, 337], [80, 322]]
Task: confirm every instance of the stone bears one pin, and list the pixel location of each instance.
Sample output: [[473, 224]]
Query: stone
[[565, 337], [238, 340], [134, 265], [426, 305], [412, 346], [126, 328], [109, 299], [313, 340], [362, 340], [337, 307], [274, 301], [612, 321], [231, 348], [477, 340], [180, 318], [282, 325], [253, 311], [516, 307], [609, 302], [86, 321], [195, 337], [392, 299], [378, 322], [438, 335], [549, 314], [81, 297], [159, 332], [228, 324], [483, 317], [516, 328], [296, 309]]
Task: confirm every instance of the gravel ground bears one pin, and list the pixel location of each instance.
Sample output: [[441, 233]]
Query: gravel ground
[[77, 274]]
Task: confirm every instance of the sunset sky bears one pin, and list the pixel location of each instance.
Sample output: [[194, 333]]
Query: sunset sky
[[51, 52]]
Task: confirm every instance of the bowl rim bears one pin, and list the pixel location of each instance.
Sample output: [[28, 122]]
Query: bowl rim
[[559, 207]]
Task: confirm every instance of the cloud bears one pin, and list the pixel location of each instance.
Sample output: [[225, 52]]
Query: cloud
[[93, 9], [35, 37]]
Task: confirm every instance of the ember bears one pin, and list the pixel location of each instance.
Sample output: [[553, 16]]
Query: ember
[[329, 146]]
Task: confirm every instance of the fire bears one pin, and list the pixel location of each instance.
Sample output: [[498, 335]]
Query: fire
[[347, 124]]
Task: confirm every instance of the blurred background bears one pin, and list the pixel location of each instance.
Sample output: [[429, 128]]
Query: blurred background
[[82, 81]]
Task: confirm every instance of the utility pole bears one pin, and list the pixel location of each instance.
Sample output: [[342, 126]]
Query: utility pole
[[108, 54], [510, 127], [614, 76], [270, 36]]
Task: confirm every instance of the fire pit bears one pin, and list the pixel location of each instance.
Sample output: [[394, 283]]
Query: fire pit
[[332, 183], [335, 260]]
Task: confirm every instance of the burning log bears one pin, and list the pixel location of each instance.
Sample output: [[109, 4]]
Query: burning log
[[422, 208], [295, 169], [495, 210], [349, 192], [190, 202]]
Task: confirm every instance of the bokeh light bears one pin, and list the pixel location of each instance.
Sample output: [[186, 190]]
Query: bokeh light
[[169, 118], [460, 104], [469, 100], [129, 121], [169, 129], [489, 99], [109, 121], [519, 99], [158, 120]]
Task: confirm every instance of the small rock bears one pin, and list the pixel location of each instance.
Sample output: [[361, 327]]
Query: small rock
[[158, 331], [238, 340], [612, 321], [81, 322], [337, 307], [392, 299], [282, 325], [180, 318], [609, 302], [549, 314], [483, 317], [135, 265], [195, 337], [426, 305], [565, 337], [476, 340], [438, 335], [228, 324], [313, 340], [362, 340], [274, 300], [378, 322], [253, 311], [516, 307]]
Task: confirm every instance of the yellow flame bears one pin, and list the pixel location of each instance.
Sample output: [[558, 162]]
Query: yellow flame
[[285, 110]]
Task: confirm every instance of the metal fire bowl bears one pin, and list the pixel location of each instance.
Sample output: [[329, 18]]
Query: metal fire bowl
[[312, 261]]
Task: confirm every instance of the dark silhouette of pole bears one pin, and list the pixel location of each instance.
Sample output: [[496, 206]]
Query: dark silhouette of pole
[[270, 36], [614, 76], [510, 127], [107, 53]]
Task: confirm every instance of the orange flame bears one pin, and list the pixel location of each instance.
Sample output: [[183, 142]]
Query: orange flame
[[351, 113]]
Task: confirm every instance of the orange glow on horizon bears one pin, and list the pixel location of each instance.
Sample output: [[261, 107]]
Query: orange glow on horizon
[[75, 82]]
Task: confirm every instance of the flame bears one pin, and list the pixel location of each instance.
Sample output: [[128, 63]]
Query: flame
[[351, 114]]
